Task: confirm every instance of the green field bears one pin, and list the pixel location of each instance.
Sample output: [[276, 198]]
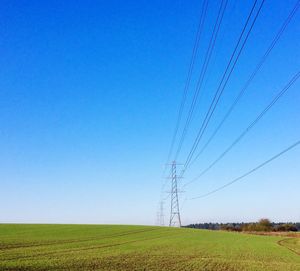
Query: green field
[[93, 247]]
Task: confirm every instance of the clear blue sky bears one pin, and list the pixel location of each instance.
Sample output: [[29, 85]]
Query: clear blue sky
[[89, 92]]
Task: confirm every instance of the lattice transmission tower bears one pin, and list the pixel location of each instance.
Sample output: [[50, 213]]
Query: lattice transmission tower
[[160, 217], [161, 214], [175, 213]]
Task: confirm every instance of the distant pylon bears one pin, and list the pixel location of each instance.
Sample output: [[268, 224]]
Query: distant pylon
[[175, 214], [157, 222], [161, 214]]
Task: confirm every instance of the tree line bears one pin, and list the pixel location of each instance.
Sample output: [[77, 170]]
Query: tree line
[[263, 225]]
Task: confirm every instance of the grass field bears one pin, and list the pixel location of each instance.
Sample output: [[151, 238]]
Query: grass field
[[93, 247]]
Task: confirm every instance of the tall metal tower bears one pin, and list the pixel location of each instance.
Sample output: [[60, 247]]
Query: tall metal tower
[[161, 214], [175, 214], [160, 217]]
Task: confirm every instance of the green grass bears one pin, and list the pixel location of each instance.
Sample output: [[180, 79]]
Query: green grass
[[104, 247], [291, 243]]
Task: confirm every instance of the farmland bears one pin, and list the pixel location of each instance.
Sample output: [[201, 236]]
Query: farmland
[[105, 247]]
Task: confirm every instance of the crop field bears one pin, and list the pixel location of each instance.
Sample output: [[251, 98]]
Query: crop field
[[105, 247]]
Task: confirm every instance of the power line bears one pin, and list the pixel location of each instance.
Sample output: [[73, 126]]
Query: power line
[[204, 67], [165, 182], [187, 82], [257, 68], [221, 88], [253, 123], [189, 75], [249, 172]]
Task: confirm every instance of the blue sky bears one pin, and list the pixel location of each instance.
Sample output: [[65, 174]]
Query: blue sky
[[89, 94]]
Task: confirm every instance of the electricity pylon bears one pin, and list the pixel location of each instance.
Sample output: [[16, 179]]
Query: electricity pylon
[[161, 214], [175, 214], [160, 217]]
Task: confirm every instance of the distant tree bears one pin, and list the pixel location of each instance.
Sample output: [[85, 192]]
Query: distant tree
[[286, 227], [264, 224], [230, 227], [250, 227]]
